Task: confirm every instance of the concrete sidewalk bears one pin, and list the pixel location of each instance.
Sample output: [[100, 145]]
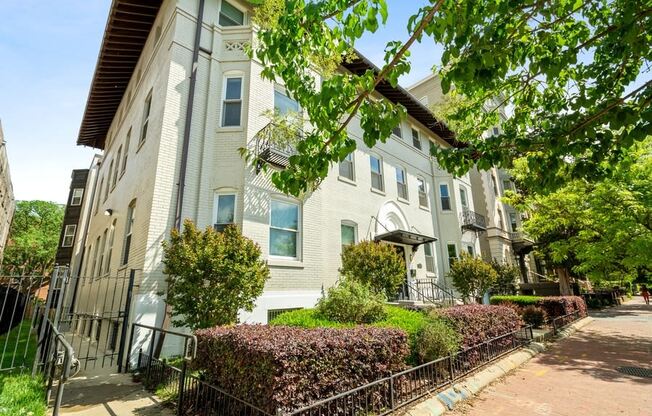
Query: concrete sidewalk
[[579, 376]]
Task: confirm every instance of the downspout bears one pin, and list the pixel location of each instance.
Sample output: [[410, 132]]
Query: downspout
[[189, 108], [184, 156]]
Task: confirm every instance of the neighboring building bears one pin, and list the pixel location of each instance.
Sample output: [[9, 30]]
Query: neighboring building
[[7, 202], [71, 217], [394, 192], [503, 239]]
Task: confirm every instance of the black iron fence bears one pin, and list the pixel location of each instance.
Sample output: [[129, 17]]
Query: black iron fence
[[427, 291], [192, 395], [561, 321]]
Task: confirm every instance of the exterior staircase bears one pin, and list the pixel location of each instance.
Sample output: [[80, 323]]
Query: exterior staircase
[[425, 292]]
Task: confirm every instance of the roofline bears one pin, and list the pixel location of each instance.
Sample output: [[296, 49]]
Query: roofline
[[421, 81]]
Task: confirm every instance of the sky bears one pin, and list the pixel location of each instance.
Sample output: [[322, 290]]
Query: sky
[[48, 51]]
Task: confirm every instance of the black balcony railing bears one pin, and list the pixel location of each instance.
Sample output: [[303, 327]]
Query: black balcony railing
[[426, 291], [521, 242], [473, 221], [275, 145]]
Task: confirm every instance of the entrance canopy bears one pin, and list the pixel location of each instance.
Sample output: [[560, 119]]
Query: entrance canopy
[[405, 237]]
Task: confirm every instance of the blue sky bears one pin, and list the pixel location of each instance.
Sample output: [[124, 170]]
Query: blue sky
[[48, 51]]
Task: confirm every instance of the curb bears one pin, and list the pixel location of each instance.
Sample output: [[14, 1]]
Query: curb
[[470, 386]]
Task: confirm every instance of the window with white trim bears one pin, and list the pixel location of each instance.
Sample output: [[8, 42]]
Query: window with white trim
[[507, 185], [452, 253], [284, 221], [494, 184], [445, 197], [463, 199], [430, 258], [283, 104], [87, 259], [496, 131], [109, 248], [232, 104], [348, 233], [129, 227], [77, 195], [376, 173], [470, 250], [118, 159], [401, 183], [501, 222], [416, 140], [224, 214], [108, 181], [126, 155], [423, 193], [94, 264], [145, 123], [347, 167], [100, 262], [99, 195], [512, 222], [230, 15], [69, 235], [396, 131]]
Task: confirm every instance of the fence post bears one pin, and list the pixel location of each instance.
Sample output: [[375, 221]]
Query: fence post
[[125, 321], [150, 355], [131, 340], [182, 384], [391, 391], [452, 367]]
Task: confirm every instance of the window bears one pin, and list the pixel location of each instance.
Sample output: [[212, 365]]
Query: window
[[430, 259], [452, 253], [118, 159], [348, 233], [109, 177], [129, 228], [463, 200], [126, 155], [501, 223], [507, 185], [416, 140], [87, 258], [109, 248], [397, 131], [230, 15], [470, 250], [99, 193], [512, 221], [347, 167], [283, 104], [376, 173], [494, 184], [232, 105], [145, 122], [94, 266], [69, 235], [401, 183], [77, 195], [445, 197], [496, 131], [423, 194], [284, 229], [100, 263], [224, 211], [113, 335]]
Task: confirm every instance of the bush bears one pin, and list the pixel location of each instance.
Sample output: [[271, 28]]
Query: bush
[[435, 340], [507, 278], [518, 300], [472, 276], [556, 306], [278, 367], [352, 301], [307, 318], [479, 323], [212, 275], [533, 315], [377, 265]]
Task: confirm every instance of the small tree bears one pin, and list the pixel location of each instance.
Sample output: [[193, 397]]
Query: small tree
[[377, 265], [506, 279], [352, 301], [472, 276], [212, 275]]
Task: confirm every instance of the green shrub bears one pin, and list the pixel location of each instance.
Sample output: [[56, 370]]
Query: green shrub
[[306, 318], [435, 340], [518, 300], [472, 276], [533, 315], [352, 301], [377, 265], [507, 278]]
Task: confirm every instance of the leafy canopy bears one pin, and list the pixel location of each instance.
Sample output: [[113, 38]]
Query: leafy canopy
[[33, 238], [601, 228], [472, 276], [573, 72], [376, 265], [211, 275]]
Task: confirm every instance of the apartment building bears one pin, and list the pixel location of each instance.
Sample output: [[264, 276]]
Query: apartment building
[[171, 137], [502, 238], [7, 202]]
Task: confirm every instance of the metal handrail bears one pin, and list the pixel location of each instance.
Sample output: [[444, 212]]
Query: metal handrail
[[154, 330], [51, 363]]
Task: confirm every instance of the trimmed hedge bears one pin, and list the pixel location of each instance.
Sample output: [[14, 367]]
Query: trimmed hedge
[[554, 306], [280, 367], [479, 323]]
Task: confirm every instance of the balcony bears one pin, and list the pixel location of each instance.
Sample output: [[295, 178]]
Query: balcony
[[473, 221], [521, 242], [274, 146]]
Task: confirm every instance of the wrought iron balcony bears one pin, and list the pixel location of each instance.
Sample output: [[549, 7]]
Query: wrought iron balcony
[[275, 145], [472, 221], [521, 242]]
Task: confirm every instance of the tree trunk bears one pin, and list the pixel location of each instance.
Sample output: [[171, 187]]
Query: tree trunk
[[564, 281]]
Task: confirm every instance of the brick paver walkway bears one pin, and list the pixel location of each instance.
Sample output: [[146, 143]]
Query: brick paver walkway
[[577, 376]]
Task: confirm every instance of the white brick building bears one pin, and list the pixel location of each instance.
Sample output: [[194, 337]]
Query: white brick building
[[139, 120], [7, 202]]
